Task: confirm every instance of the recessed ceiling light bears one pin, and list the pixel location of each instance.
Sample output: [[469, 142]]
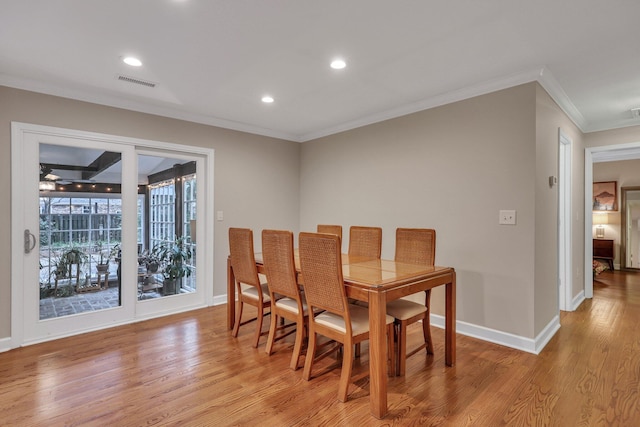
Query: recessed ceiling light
[[130, 60], [338, 64], [267, 99]]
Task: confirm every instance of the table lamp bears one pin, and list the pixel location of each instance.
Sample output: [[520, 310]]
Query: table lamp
[[599, 219]]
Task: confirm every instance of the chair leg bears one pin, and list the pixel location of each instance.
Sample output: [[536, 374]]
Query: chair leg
[[258, 332], [297, 347], [402, 348], [311, 353], [273, 325], [236, 326], [426, 322], [426, 332], [391, 350], [345, 376]]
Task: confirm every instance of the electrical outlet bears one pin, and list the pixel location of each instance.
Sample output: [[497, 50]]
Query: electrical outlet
[[507, 217]]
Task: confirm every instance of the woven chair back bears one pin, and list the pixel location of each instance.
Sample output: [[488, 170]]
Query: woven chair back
[[321, 267], [416, 245], [279, 263], [243, 259], [330, 229], [365, 241]]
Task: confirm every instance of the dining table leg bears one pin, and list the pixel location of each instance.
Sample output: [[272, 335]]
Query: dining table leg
[[231, 296], [378, 354], [450, 322]]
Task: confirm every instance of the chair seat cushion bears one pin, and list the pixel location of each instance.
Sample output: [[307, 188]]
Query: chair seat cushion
[[359, 320], [403, 309], [252, 292], [291, 305]]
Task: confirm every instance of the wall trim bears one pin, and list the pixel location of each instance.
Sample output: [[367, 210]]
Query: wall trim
[[540, 74], [577, 300], [219, 299], [5, 344], [506, 339]]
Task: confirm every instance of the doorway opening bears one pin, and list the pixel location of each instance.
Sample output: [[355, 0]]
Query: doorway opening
[[593, 155]]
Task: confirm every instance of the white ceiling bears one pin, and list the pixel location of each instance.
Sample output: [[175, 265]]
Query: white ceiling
[[213, 60]]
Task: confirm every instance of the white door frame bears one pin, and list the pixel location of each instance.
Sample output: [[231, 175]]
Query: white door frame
[[19, 133], [607, 153], [565, 285]]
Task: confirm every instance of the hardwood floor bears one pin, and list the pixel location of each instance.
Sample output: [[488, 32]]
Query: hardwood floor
[[187, 370]]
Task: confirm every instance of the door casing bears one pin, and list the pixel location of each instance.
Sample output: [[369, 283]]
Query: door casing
[[132, 311]]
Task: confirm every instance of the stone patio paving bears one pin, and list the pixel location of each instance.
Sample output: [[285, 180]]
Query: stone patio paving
[[79, 303], [88, 301]]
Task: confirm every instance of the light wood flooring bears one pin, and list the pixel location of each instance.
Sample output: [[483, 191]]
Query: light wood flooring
[[187, 370]]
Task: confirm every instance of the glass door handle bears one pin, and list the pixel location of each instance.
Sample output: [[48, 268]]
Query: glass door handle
[[29, 241]]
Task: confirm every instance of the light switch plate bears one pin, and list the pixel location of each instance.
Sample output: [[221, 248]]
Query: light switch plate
[[507, 217], [220, 215]]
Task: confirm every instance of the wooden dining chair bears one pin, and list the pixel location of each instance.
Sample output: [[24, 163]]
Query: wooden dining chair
[[250, 290], [330, 229], [416, 246], [365, 241], [347, 324], [279, 264]]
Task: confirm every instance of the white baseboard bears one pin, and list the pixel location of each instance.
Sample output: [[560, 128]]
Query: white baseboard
[[577, 300], [5, 344], [503, 338], [219, 299], [486, 334], [480, 332]]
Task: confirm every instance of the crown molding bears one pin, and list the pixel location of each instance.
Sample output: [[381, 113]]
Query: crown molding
[[540, 74], [557, 93], [141, 107], [432, 102]]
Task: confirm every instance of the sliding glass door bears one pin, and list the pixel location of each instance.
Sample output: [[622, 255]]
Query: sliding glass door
[[106, 232]]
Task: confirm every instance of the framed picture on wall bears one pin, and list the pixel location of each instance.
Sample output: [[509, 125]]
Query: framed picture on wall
[[605, 196]]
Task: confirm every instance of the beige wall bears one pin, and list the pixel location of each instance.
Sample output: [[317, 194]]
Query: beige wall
[[550, 118], [612, 137], [451, 168], [256, 178]]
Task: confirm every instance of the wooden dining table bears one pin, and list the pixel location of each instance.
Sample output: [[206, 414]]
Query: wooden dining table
[[377, 281]]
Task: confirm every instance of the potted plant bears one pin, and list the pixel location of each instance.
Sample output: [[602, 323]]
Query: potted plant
[[105, 256], [154, 258], [75, 255], [61, 267], [63, 264], [175, 256]]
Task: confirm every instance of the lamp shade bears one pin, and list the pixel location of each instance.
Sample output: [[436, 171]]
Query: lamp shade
[[600, 218]]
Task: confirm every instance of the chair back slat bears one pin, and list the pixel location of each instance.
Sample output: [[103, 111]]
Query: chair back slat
[[416, 245], [279, 264], [321, 267], [242, 254], [365, 241]]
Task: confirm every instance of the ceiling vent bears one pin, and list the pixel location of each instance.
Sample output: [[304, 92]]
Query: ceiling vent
[[635, 113], [136, 81]]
